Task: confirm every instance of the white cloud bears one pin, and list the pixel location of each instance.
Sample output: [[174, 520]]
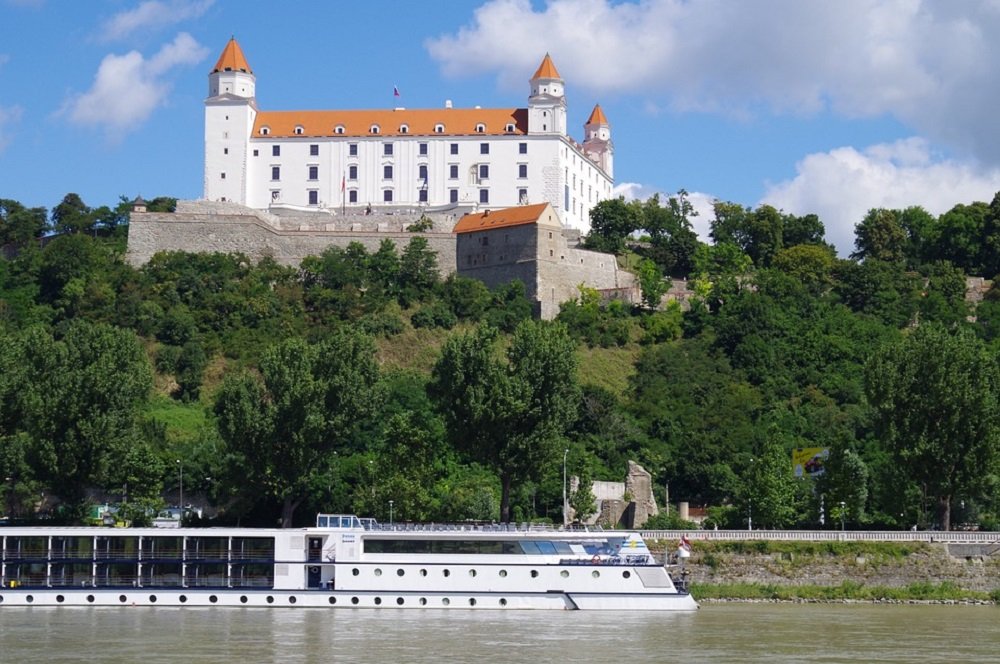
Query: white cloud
[[932, 64], [152, 14], [843, 184], [9, 115], [128, 88]]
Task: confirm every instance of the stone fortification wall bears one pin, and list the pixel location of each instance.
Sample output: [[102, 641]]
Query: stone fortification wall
[[202, 226], [560, 275]]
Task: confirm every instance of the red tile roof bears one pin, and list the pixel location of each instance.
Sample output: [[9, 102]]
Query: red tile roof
[[505, 218], [546, 69], [455, 121], [597, 116], [232, 59]]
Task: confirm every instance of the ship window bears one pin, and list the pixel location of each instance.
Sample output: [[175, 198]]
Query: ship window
[[626, 574], [399, 601], [446, 572], [445, 601], [355, 571], [184, 599], [378, 601], [333, 600], [354, 600], [152, 598], [534, 574], [503, 572], [400, 572], [564, 574], [90, 598], [243, 599], [547, 548], [378, 572], [503, 602], [595, 574], [472, 572], [213, 599], [61, 599], [122, 599], [270, 600], [472, 601], [423, 601], [31, 598], [530, 547], [423, 572]]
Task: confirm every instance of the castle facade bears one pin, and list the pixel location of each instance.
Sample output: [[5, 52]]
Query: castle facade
[[361, 160]]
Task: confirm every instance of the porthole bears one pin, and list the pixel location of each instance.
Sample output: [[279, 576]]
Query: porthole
[[472, 601], [378, 572], [400, 572], [446, 572], [213, 599], [472, 572], [399, 601], [626, 574], [355, 571], [354, 600], [332, 600], [270, 600], [423, 601], [90, 598], [122, 599], [503, 572], [183, 599], [152, 599], [292, 600], [378, 601], [564, 574], [31, 598], [445, 601], [60, 599], [243, 599], [423, 572], [534, 574], [503, 602], [595, 574], [1, 599]]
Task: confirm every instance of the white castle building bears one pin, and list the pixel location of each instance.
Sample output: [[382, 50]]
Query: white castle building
[[434, 158]]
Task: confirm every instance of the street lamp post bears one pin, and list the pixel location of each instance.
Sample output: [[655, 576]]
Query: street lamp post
[[750, 514], [180, 484], [843, 510], [565, 505], [390, 513]]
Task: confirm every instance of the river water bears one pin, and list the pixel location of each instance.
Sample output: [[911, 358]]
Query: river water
[[716, 633]]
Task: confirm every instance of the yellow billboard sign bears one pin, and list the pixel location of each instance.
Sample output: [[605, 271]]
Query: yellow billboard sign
[[809, 461]]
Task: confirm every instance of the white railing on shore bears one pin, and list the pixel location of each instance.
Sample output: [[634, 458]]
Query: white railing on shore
[[957, 536]]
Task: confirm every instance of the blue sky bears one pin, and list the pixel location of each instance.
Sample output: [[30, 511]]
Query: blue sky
[[813, 106]]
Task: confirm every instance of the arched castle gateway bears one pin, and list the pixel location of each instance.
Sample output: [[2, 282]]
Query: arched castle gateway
[[291, 183]]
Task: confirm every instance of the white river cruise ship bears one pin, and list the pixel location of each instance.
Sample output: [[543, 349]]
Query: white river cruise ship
[[342, 562]]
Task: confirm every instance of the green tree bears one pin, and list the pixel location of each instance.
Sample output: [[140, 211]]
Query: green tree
[[418, 271], [18, 224], [934, 400], [651, 283], [307, 401], [612, 221], [72, 215], [880, 236], [772, 494], [845, 480], [508, 411]]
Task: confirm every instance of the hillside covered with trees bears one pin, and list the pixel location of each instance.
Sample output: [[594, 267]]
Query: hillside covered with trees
[[361, 378]]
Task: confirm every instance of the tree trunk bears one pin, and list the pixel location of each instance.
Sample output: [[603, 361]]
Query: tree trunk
[[505, 498], [944, 512], [288, 511]]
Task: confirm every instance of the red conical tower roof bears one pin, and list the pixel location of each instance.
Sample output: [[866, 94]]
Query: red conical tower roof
[[546, 69], [232, 59], [597, 116]]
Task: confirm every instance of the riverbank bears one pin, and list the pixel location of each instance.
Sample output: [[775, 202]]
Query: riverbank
[[871, 572]]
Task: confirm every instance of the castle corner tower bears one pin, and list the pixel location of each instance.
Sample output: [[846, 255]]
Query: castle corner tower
[[597, 141], [547, 102], [230, 110]]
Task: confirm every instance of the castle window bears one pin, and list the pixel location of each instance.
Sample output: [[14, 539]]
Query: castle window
[[522, 170], [275, 150], [403, 129], [352, 172], [276, 172], [484, 195], [223, 176], [264, 131], [522, 196], [374, 129], [387, 195], [439, 129], [453, 195], [453, 171], [484, 171], [225, 150], [480, 128], [256, 153], [454, 148], [299, 130], [387, 149], [422, 195], [423, 149], [509, 129], [313, 197], [313, 150], [387, 172], [352, 149], [484, 148], [339, 129], [522, 148], [422, 171], [314, 172], [352, 196]]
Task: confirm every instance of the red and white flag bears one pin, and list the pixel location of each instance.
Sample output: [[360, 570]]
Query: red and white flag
[[685, 543], [343, 182]]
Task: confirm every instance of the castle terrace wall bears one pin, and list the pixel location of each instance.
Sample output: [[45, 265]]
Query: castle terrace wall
[[227, 232]]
